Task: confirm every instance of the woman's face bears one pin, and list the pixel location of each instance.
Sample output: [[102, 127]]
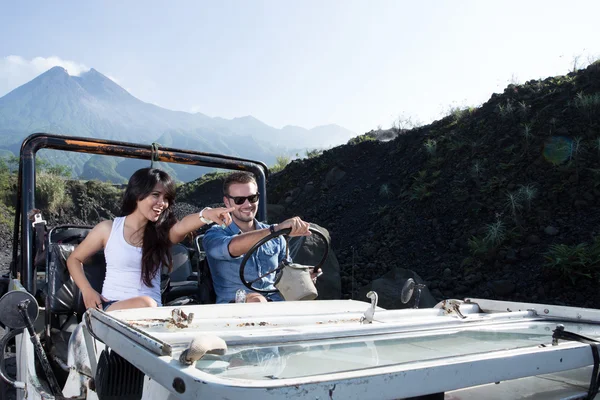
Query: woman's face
[[154, 204]]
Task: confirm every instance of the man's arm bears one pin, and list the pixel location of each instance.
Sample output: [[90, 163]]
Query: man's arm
[[240, 244], [216, 242]]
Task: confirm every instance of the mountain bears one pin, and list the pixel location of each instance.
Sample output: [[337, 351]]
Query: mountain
[[95, 106]]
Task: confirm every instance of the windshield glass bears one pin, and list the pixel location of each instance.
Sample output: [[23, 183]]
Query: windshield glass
[[277, 361]]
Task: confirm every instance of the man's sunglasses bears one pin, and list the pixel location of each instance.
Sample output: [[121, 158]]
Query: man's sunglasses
[[239, 200]]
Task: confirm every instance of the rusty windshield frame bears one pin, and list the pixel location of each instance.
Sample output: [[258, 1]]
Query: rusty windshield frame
[[27, 178]]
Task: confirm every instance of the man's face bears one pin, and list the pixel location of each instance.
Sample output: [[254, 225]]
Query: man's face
[[246, 211]]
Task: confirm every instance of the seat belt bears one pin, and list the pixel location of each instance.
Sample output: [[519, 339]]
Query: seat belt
[[39, 224]]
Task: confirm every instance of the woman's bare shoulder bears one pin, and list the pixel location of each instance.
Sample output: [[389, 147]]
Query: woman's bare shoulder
[[103, 228]]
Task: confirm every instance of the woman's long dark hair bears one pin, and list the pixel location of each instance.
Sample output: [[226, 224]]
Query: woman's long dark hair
[[156, 246]]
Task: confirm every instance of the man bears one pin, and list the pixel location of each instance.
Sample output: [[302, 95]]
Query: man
[[225, 247]]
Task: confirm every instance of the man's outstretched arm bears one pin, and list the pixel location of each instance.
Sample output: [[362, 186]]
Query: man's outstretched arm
[[240, 244]]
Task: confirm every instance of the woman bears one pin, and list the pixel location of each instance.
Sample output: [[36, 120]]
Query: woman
[[138, 244]]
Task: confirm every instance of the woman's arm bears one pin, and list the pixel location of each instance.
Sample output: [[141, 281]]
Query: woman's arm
[[94, 242], [191, 222]]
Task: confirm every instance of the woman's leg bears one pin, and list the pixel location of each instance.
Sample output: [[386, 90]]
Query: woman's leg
[[134, 302]]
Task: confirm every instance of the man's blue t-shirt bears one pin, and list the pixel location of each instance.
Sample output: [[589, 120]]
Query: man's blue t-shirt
[[225, 269]]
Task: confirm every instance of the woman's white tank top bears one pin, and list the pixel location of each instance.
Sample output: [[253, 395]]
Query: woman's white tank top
[[123, 278]]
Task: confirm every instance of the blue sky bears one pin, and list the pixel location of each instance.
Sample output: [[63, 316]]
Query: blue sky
[[358, 64]]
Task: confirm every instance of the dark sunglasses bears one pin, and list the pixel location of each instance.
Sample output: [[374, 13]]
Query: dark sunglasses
[[239, 200]]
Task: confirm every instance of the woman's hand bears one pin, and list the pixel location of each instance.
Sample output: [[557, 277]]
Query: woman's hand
[[92, 299], [219, 216]]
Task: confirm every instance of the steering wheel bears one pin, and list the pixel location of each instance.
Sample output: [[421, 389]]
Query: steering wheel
[[264, 240]]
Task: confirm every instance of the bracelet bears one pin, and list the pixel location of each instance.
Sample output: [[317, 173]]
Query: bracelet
[[206, 221], [272, 228]]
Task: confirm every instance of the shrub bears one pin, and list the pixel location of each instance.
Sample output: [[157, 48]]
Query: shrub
[[430, 147], [423, 184], [280, 164], [581, 260], [313, 153], [51, 192], [4, 167], [528, 193], [507, 110], [60, 170], [105, 192], [458, 113], [477, 169], [523, 108], [587, 104], [384, 190], [7, 181], [421, 191], [367, 137], [404, 123], [513, 203], [478, 245], [495, 234]]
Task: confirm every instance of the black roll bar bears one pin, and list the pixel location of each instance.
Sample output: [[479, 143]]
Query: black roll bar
[[38, 141]]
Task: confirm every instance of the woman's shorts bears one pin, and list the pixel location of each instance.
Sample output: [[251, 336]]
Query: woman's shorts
[[106, 304]]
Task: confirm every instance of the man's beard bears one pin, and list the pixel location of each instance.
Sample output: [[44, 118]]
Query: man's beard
[[244, 217]]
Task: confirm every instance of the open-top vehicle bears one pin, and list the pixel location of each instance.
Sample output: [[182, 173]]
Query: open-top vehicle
[[322, 349]]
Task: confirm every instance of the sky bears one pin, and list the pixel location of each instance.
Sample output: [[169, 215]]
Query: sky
[[358, 64]]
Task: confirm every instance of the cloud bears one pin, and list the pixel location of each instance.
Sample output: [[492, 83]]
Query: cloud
[[16, 70]]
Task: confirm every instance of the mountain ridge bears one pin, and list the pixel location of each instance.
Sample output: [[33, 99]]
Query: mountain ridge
[[92, 105]]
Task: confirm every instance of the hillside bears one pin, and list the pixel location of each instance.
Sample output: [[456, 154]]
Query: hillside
[[474, 203], [92, 105], [499, 201]]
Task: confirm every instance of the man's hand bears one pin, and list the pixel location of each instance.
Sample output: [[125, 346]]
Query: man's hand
[[92, 299], [314, 274], [299, 227]]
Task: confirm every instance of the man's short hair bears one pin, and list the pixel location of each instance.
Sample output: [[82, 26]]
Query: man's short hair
[[237, 177]]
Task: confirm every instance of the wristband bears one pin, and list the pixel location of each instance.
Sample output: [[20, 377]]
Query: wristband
[[206, 221], [272, 228]]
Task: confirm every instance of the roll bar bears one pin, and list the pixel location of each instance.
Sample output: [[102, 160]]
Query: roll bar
[[38, 141]]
